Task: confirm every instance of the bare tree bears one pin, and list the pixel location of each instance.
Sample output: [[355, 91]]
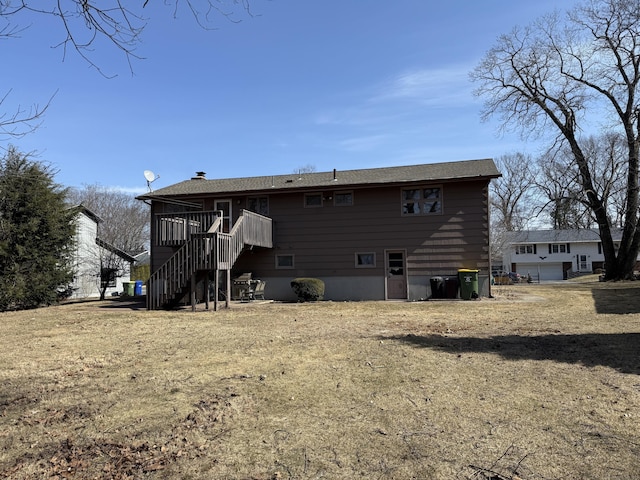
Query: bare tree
[[567, 204], [560, 186], [308, 168], [125, 221], [512, 200], [559, 73], [513, 195]]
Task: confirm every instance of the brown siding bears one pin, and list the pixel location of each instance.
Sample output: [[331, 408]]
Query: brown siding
[[324, 240]]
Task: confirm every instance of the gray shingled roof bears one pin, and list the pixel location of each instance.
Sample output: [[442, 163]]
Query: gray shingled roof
[[558, 236], [468, 169]]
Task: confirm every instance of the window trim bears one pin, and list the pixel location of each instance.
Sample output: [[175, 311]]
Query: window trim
[[346, 192], [421, 200], [357, 257], [315, 194], [556, 248], [285, 267], [524, 246], [257, 198]]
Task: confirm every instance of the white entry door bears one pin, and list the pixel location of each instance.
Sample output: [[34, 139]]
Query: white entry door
[[583, 263], [396, 275]]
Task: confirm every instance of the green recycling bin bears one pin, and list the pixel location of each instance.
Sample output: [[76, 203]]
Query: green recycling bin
[[468, 283], [129, 288]]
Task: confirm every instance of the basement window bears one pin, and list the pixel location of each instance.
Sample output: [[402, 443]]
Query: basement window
[[366, 260], [284, 262]]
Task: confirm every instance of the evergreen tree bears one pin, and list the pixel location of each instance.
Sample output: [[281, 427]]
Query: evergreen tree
[[36, 234]]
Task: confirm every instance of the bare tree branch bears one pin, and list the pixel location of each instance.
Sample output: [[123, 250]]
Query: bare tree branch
[[21, 121], [88, 26]]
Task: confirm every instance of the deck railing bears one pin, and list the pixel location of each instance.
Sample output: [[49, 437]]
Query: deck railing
[[173, 229], [209, 250]]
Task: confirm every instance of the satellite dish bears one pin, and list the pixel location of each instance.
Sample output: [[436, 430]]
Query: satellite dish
[[150, 177]]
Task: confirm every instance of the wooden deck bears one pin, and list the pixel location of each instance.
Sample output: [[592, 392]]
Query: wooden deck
[[203, 248]]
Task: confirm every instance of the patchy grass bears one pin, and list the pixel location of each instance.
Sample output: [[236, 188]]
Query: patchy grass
[[540, 382]]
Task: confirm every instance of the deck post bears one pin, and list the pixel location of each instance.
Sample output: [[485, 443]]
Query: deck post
[[206, 292], [228, 298], [193, 292], [216, 287]]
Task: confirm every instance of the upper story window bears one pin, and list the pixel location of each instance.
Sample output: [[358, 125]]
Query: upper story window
[[422, 201], [313, 200], [258, 205], [524, 249], [343, 199], [558, 248]]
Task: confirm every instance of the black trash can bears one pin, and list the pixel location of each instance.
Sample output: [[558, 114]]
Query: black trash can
[[437, 287], [451, 287]]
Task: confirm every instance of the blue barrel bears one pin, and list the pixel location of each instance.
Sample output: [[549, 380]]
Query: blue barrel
[[138, 288]]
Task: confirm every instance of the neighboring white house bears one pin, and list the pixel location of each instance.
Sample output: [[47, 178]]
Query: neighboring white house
[[554, 254], [90, 265]]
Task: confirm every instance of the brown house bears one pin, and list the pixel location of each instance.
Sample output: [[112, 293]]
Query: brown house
[[371, 234]]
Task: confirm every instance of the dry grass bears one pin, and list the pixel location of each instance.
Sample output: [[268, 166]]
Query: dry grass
[[540, 382]]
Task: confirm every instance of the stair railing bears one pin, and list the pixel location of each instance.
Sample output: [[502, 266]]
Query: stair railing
[[211, 250]]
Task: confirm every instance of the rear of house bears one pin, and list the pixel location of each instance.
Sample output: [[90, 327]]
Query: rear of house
[[371, 234]]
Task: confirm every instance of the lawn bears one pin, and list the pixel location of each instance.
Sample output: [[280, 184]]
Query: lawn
[[539, 382]]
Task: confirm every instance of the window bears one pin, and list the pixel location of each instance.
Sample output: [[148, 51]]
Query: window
[[365, 260], [285, 261], [258, 205], [524, 249], [422, 201], [108, 277], [558, 248], [313, 200], [343, 199]]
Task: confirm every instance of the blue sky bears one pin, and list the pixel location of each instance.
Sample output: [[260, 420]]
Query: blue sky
[[328, 84]]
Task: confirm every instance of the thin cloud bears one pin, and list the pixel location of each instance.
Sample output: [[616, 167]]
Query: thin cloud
[[363, 144], [131, 190], [444, 87], [400, 97]]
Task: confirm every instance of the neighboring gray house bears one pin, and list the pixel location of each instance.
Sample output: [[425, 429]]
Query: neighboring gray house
[[93, 264], [370, 234], [554, 254]]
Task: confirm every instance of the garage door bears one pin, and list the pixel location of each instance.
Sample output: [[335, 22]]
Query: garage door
[[548, 271]]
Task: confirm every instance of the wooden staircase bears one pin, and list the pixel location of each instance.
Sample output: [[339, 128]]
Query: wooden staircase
[[203, 252]]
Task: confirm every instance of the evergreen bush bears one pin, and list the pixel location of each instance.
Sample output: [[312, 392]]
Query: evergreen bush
[[308, 289], [36, 235]]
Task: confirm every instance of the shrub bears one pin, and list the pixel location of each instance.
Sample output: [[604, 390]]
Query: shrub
[[308, 289]]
